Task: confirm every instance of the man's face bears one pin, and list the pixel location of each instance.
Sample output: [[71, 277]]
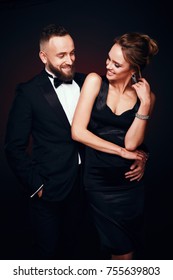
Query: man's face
[[58, 55]]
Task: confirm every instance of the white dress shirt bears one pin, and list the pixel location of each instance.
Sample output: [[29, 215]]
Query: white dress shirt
[[68, 95]]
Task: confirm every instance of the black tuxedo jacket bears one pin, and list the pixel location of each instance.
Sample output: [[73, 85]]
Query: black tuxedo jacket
[[53, 160]]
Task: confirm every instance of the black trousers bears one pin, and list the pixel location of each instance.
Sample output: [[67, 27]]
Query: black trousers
[[57, 226]]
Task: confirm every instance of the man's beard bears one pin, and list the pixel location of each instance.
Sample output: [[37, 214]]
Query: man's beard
[[60, 75]]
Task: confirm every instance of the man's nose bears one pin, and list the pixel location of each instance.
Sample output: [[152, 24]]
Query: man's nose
[[69, 60]]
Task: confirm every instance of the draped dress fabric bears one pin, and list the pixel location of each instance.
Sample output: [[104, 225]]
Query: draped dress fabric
[[115, 204]]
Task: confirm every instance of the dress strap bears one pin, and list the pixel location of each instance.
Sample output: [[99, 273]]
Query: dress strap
[[102, 96]]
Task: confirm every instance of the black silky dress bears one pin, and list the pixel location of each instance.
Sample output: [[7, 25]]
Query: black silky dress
[[115, 204]]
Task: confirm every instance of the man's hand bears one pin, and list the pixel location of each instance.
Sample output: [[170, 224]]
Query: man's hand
[[40, 193], [137, 169]]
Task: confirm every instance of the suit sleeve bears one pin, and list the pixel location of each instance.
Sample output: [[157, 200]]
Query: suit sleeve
[[17, 142]]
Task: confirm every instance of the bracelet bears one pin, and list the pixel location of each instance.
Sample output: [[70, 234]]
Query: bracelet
[[142, 117]]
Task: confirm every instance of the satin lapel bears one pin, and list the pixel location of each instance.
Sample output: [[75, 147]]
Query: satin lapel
[[79, 78], [52, 99]]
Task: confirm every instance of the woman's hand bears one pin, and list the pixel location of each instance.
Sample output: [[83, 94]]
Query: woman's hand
[[143, 91], [137, 169], [137, 154]]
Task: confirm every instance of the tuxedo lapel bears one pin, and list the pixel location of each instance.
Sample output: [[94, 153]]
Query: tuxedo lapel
[[79, 79], [51, 97]]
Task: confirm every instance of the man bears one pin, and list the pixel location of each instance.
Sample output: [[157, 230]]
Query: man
[[42, 112]]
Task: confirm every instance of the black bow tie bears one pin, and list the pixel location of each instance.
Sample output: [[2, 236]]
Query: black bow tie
[[58, 82]]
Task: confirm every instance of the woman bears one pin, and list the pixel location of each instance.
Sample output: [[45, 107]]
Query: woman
[[111, 120]]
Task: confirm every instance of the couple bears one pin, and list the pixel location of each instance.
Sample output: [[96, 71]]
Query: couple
[[98, 146]]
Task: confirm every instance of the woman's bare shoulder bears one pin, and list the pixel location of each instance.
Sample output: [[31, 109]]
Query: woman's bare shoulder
[[94, 77]]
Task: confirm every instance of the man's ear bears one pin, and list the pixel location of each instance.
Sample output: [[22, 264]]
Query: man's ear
[[43, 57]]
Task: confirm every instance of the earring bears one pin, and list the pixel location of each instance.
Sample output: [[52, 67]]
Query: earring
[[134, 79]]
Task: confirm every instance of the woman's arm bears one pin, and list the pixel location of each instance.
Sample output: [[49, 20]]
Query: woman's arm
[[81, 119], [136, 133]]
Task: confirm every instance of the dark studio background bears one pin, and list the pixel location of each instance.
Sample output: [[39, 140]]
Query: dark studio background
[[93, 29]]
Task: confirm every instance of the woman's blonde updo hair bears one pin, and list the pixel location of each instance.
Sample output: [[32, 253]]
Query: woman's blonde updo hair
[[138, 49]]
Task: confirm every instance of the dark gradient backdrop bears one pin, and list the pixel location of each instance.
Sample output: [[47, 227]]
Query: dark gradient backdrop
[[93, 26]]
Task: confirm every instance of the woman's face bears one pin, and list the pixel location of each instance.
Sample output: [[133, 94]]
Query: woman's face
[[118, 69]]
